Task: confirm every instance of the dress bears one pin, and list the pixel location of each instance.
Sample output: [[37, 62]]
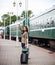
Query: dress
[[24, 37]]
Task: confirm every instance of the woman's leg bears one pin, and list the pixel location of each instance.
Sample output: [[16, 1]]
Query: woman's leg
[[23, 45]]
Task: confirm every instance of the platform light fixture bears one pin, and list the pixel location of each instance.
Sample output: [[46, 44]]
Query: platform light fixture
[[14, 4], [10, 13]]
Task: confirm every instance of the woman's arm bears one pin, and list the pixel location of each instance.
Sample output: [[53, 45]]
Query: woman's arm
[[24, 34], [20, 27]]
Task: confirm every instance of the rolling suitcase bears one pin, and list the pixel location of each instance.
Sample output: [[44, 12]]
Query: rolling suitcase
[[24, 58]]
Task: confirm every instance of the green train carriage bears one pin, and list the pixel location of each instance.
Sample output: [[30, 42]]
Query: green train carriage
[[42, 28]]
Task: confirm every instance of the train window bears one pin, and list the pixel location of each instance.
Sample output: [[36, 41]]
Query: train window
[[45, 26], [52, 23], [47, 19], [47, 22], [50, 18]]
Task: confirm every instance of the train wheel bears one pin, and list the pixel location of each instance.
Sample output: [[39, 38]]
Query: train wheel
[[52, 44]]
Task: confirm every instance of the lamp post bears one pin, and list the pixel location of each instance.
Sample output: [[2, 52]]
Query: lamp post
[[26, 12], [26, 16], [14, 4], [10, 13], [4, 26]]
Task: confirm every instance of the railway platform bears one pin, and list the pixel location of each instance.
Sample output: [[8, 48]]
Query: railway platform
[[10, 54]]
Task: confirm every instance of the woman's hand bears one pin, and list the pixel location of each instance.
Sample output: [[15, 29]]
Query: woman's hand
[[26, 45], [20, 27], [18, 24]]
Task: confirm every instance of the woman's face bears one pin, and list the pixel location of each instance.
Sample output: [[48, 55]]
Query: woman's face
[[24, 29]]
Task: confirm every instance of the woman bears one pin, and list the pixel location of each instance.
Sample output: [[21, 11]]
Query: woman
[[24, 35]]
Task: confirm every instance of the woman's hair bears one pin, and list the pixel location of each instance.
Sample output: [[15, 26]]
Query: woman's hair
[[26, 28]]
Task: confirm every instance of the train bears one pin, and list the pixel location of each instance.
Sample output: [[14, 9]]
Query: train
[[41, 28]]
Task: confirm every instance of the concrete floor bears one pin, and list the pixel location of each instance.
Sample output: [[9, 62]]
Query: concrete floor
[[10, 54]]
